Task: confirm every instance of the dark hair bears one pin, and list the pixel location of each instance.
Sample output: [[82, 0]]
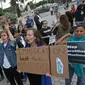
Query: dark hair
[[4, 31], [70, 17], [19, 30], [37, 34], [73, 5], [79, 8], [64, 19], [79, 26]]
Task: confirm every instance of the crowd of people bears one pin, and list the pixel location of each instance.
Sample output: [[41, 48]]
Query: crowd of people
[[26, 36]]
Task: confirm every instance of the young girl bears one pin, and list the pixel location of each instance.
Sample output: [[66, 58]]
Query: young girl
[[8, 57], [45, 31], [33, 39], [79, 69]]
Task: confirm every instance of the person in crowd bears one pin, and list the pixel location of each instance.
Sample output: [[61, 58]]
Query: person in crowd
[[64, 27], [78, 2], [33, 39], [73, 10], [38, 20], [20, 23], [11, 26], [70, 17], [51, 10], [20, 37], [67, 6], [56, 20], [29, 22], [45, 31], [20, 40], [78, 69], [56, 9], [8, 56], [79, 15]]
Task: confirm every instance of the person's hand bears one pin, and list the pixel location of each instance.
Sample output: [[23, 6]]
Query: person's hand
[[48, 74], [68, 35], [19, 71], [6, 26]]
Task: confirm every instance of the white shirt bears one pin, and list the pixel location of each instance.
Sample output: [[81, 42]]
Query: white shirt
[[22, 41], [6, 63]]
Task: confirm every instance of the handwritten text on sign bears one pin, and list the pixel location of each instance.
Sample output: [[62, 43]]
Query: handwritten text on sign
[[33, 60], [59, 52]]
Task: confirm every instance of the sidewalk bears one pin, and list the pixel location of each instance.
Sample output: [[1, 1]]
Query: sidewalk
[[55, 81]]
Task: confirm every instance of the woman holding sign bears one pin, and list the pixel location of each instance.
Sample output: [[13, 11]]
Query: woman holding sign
[[33, 39]]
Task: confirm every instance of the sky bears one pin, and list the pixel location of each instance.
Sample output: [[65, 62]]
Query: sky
[[7, 4]]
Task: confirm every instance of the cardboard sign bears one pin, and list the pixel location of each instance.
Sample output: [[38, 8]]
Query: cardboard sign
[[52, 39], [59, 61], [76, 52], [33, 60]]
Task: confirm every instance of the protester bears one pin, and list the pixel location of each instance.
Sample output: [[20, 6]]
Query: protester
[[45, 31], [67, 6], [70, 17], [20, 37], [12, 26], [78, 69], [33, 39], [20, 23], [37, 19], [20, 40], [51, 10], [64, 27], [8, 56], [79, 15], [29, 22]]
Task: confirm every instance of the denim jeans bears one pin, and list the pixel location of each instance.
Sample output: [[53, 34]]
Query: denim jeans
[[80, 80]]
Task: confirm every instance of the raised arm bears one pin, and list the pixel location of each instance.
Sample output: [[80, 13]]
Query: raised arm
[[63, 39], [8, 30]]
